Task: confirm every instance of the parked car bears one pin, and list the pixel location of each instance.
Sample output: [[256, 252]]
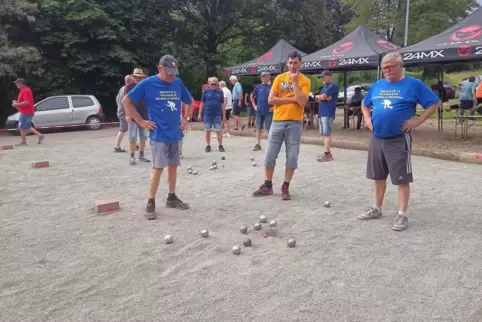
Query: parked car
[[195, 110], [450, 90], [64, 110], [350, 91]]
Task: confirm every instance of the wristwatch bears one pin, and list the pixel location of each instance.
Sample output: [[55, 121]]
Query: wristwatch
[[188, 118]]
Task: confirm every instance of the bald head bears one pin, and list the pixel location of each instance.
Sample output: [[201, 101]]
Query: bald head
[[128, 79]]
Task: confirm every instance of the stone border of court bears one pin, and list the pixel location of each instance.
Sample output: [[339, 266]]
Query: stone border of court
[[443, 155], [476, 316]]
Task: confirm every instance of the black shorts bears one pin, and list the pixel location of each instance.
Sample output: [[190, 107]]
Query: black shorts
[[466, 104], [228, 114], [236, 108]]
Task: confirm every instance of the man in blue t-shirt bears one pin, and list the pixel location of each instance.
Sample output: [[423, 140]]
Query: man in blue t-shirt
[[264, 111], [326, 112], [163, 95], [212, 112], [394, 100]]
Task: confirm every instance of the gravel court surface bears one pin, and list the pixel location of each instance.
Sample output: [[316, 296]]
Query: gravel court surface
[[61, 262]]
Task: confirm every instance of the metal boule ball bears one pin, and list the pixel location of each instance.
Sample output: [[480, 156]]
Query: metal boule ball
[[291, 243], [243, 229], [211, 168], [223, 157], [327, 204], [257, 226], [236, 250], [214, 162], [204, 233], [194, 172], [247, 242], [189, 168], [263, 219], [252, 158], [272, 223], [215, 166], [189, 171], [254, 164], [168, 239]]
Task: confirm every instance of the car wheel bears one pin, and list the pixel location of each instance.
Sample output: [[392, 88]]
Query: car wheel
[[93, 123], [195, 116]]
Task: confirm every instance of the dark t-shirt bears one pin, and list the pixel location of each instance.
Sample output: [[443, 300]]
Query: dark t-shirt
[[140, 106]]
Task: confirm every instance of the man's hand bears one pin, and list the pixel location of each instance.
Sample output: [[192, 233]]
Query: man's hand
[[129, 119], [149, 125], [368, 124], [184, 124], [200, 117], [410, 125], [294, 77], [255, 107]]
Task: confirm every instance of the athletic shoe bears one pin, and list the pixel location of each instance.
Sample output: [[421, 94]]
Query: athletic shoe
[[208, 148], [132, 160], [176, 203], [215, 136], [263, 191], [41, 138], [221, 148], [371, 213], [119, 149], [144, 159], [285, 193], [325, 158], [257, 147], [227, 135], [400, 223], [150, 212]]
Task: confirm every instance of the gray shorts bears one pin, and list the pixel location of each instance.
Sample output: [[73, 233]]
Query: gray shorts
[[134, 130], [390, 156], [288, 132], [122, 123], [164, 154]]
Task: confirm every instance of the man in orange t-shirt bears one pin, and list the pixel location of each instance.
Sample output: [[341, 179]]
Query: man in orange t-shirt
[[24, 104], [288, 95]]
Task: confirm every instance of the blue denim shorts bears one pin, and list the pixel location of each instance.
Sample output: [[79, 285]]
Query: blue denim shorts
[[288, 132], [326, 124], [135, 129], [264, 120], [212, 123], [251, 111], [25, 121]]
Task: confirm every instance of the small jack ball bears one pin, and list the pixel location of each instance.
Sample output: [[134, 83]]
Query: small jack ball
[[258, 226], [236, 250], [327, 204], [168, 239], [291, 243], [247, 242], [243, 229], [204, 233], [263, 219]]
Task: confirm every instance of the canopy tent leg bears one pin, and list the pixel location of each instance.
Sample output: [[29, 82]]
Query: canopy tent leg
[[345, 109], [441, 108]]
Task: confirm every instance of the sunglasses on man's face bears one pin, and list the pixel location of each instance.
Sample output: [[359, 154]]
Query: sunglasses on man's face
[[214, 84]]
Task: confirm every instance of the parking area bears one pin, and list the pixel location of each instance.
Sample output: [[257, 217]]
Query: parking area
[[61, 262]]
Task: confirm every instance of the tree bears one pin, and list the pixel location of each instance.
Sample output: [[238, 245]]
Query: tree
[[387, 17]]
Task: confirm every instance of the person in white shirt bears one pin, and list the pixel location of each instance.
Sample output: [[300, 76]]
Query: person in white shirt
[[228, 100]]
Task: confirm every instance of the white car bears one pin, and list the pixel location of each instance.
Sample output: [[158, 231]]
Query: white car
[[64, 110], [350, 91]]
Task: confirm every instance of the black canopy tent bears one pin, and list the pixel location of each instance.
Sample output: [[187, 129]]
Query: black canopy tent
[[272, 61], [459, 43], [360, 49]]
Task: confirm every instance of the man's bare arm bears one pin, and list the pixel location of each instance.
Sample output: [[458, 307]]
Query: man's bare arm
[[201, 108], [188, 112], [253, 102], [300, 97], [131, 109], [428, 112], [366, 112], [24, 103], [273, 99]]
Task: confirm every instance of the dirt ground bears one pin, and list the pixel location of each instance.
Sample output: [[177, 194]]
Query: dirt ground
[[61, 262]]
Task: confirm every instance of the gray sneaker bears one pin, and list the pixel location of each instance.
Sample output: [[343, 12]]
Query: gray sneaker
[[400, 223], [132, 160], [41, 138], [150, 212], [371, 213], [177, 203], [257, 147], [142, 158]]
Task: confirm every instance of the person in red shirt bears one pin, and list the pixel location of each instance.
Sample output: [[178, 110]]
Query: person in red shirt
[[24, 104]]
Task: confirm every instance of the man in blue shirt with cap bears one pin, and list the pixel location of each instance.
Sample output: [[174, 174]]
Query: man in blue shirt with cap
[[264, 111], [326, 112], [163, 95]]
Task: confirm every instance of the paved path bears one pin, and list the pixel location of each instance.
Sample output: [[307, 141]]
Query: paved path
[[60, 262]]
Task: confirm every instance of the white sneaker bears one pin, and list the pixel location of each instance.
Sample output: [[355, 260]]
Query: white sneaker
[[215, 136], [227, 135]]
